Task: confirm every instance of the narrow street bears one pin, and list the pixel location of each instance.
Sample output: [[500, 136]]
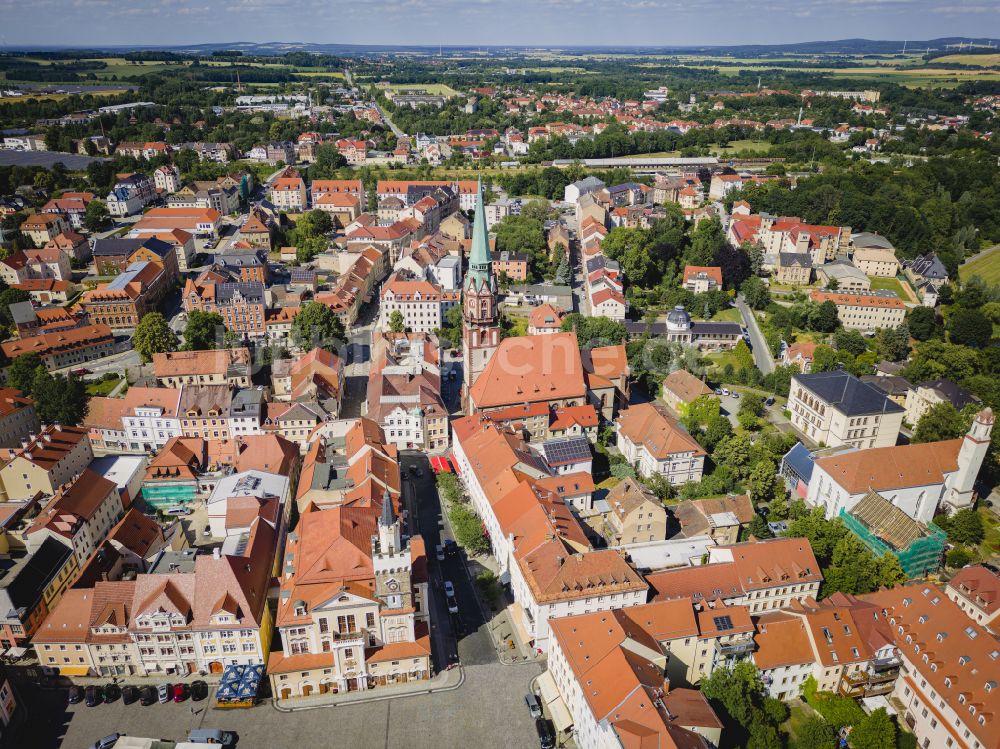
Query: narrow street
[[761, 354]]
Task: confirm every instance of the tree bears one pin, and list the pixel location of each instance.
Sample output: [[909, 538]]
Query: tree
[[317, 325], [630, 246], [851, 341], [825, 319], [739, 697], [756, 293], [939, 422], [153, 336], [893, 344], [815, 733], [716, 430], [468, 528], [922, 323], [7, 298], [707, 240], [763, 484], [96, 216], [875, 731], [563, 275], [328, 161], [59, 399], [21, 372], [969, 327], [450, 334], [958, 557], [964, 527], [396, 323], [743, 355], [203, 330], [757, 527], [307, 248]]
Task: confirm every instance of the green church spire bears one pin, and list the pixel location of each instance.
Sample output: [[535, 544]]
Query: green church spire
[[480, 264]]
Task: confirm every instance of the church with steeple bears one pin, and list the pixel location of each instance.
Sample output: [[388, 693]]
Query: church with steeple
[[481, 332]]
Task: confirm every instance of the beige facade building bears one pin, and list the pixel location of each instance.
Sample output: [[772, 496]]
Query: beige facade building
[[215, 367], [44, 462], [636, 515], [836, 408], [865, 311], [17, 417], [877, 261]]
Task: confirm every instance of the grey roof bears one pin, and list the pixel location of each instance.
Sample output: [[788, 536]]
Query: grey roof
[[842, 269], [800, 461], [600, 261], [248, 402], [795, 259], [124, 279], [679, 316], [889, 384], [959, 397], [704, 329], [588, 183], [116, 246], [23, 312], [929, 266], [25, 580], [847, 393], [252, 291], [869, 239], [239, 259]]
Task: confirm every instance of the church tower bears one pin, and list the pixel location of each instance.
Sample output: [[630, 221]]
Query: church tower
[[974, 447], [481, 334]]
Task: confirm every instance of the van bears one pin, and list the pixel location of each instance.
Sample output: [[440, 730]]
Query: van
[[178, 510], [212, 736], [534, 709]]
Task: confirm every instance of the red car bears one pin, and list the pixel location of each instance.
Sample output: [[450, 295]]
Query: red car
[[80, 372], [180, 692]]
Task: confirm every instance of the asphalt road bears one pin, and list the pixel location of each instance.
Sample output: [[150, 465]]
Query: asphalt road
[[761, 354]]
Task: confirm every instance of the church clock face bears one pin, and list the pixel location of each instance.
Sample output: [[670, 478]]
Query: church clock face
[[392, 585]]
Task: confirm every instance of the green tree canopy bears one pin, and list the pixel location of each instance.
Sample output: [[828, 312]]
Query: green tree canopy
[[317, 325], [153, 336], [203, 331]]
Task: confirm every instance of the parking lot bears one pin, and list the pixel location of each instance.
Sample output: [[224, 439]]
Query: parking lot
[[487, 711]]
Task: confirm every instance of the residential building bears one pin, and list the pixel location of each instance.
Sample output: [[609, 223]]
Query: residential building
[[927, 394], [976, 590], [17, 417], [865, 311], [316, 376], [130, 194], [699, 279], [241, 304], [681, 389], [167, 179], [836, 408], [762, 575], [925, 269], [230, 366], [32, 585], [80, 515], [72, 206], [199, 222], [799, 355], [607, 680], [44, 227], [635, 514], [422, 304], [45, 461], [65, 348], [288, 192], [544, 319], [876, 261], [719, 518], [404, 390], [655, 443], [793, 268]]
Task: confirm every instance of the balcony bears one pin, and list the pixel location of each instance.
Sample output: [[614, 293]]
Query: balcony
[[869, 682], [736, 648]]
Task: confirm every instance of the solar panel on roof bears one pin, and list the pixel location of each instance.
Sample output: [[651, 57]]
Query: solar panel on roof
[[722, 623]]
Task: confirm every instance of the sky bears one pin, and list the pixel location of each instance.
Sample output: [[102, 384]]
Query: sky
[[488, 22]]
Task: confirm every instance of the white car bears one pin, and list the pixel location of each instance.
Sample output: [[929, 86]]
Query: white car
[[439, 552], [449, 589]]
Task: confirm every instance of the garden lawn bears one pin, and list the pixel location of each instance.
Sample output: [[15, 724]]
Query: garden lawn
[[986, 267], [102, 387]]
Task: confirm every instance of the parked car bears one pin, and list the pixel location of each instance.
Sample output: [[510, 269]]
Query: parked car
[[735, 395], [80, 372], [164, 693], [439, 552], [534, 708], [130, 694], [147, 696], [452, 604], [718, 391], [769, 402], [546, 736], [107, 742], [92, 696], [75, 695], [112, 692], [725, 391], [199, 690], [449, 588], [450, 548], [180, 692], [212, 736]]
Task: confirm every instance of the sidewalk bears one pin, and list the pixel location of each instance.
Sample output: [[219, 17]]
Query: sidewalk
[[443, 681], [500, 624]]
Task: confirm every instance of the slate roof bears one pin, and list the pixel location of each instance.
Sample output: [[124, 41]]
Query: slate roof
[[847, 393]]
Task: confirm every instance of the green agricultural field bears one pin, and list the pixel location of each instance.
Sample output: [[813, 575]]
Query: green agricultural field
[[986, 266], [985, 60], [761, 147]]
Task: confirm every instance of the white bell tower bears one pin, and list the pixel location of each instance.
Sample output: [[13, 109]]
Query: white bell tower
[[975, 445]]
